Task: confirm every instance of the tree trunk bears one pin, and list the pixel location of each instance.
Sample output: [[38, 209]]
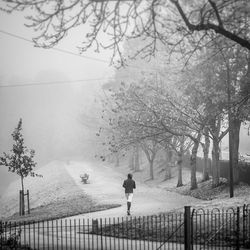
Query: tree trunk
[[216, 163], [216, 128], [136, 159], [131, 161], [235, 126], [205, 174], [236, 122], [193, 162], [168, 164], [179, 163], [151, 169], [22, 197], [150, 154], [22, 184]]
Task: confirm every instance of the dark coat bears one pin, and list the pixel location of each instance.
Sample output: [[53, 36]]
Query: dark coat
[[129, 185]]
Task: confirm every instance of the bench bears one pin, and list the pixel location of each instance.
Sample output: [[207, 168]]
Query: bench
[[84, 178]]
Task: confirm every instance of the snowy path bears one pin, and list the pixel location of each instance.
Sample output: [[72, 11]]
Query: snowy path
[[105, 186]]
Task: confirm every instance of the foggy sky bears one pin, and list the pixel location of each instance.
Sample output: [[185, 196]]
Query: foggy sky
[[51, 113]]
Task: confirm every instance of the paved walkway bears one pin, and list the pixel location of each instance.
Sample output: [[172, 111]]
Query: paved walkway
[[105, 186]]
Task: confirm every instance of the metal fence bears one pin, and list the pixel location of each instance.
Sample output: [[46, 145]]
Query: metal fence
[[191, 229], [227, 228]]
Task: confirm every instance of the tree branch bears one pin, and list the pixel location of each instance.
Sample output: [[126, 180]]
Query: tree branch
[[209, 26]]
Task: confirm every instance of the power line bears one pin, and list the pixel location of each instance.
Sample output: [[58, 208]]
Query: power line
[[72, 53], [66, 52], [54, 82], [45, 83], [56, 49]]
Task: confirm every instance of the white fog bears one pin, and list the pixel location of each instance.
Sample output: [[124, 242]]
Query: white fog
[[54, 100]]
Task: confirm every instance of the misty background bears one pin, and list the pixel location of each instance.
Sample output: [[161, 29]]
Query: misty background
[[58, 104]]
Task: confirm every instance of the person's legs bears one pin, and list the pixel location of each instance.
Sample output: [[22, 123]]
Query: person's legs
[[129, 201], [128, 207]]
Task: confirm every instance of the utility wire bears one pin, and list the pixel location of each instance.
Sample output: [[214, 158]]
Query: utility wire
[[72, 53], [57, 49], [54, 82], [66, 52]]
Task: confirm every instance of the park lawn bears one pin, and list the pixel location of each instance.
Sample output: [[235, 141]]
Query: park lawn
[[74, 205], [54, 196]]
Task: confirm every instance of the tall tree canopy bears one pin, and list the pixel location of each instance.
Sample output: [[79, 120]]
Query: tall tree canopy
[[174, 23]]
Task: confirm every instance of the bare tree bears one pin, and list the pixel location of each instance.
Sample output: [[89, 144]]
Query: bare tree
[[147, 111], [134, 158], [205, 146], [150, 147], [174, 23], [183, 145]]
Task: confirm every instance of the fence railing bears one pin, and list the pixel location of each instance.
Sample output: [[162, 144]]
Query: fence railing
[[221, 228], [191, 229]]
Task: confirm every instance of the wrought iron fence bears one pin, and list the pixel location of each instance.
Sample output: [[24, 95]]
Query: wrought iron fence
[[191, 229], [221, 228]]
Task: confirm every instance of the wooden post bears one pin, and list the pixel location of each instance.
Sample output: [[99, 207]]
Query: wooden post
[[28, 201], [187, 228]]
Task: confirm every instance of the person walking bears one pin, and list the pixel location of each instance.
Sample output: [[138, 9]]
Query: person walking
[[129, 186]]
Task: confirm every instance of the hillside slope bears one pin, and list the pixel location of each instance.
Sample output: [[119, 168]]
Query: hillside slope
[[54, 195]]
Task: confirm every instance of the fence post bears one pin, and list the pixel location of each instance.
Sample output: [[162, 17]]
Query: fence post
[[244, 224], [1, 234], [238, 229], [95, 225], [101, 235], [187, 227]]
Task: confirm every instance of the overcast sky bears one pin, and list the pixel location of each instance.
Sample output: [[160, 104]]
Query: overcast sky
[[22, 59], [22, 63], [50, 112]]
